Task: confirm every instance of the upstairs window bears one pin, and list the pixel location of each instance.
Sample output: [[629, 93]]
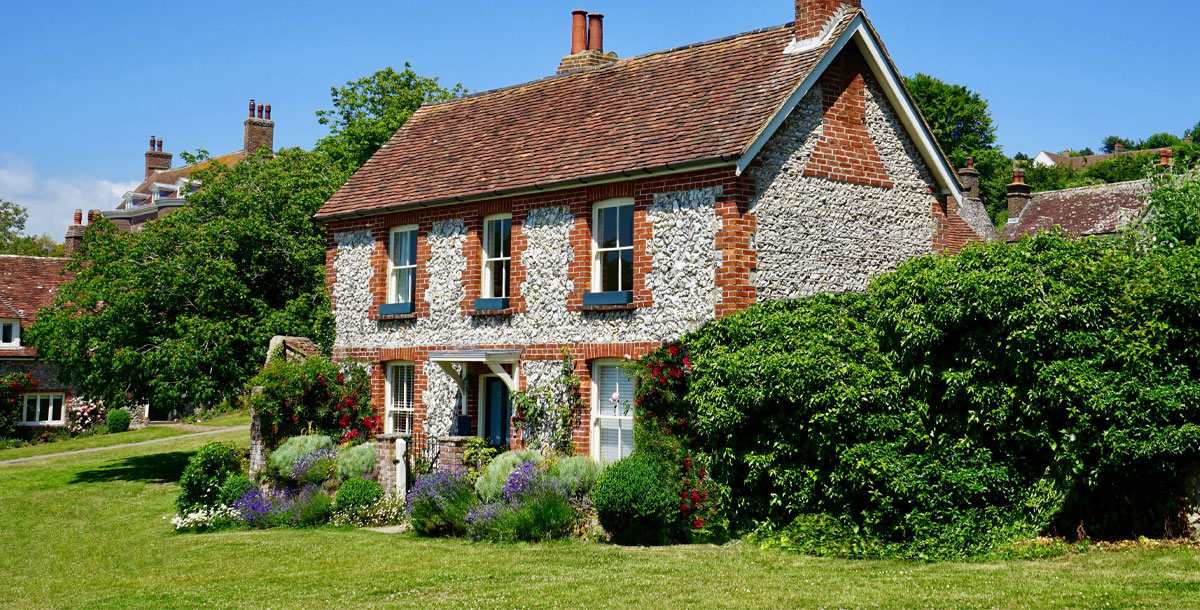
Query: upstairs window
[[402, 265], [497, 256], [44, 409], [398, 418], [10, 333], [612, 231]]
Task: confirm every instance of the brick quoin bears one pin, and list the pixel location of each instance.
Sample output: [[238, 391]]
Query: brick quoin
[[846, 152]]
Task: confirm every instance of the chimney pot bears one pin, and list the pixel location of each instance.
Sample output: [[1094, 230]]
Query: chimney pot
[[158, 145], [970, 162], [969, 176], [252, 108], [579, 31], [1018, 176], [595, 32], [1164, 157], [268, 112], [260, 111], [1019, 195], [78, 216], [1187, 139], [151, 142]]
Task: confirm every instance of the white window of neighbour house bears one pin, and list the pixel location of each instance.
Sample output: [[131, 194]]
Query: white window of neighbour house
[[10, 333], [43, 409]]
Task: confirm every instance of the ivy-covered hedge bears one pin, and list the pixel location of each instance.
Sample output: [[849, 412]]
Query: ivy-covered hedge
[[1050, 386], [315, 395]]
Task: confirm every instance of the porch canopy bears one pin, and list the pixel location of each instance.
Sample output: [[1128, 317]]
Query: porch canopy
[[493, 358]]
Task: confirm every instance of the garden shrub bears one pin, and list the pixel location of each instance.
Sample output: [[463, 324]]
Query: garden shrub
[[117, 420], [315, 394], [12, 386], [234, 488], [533, 507], [576, 475], [490, 485], [205, 473], [438, 503], [636, 501], [356, 494], [312, 507], [283, 459], [87, 416], [356, 461]]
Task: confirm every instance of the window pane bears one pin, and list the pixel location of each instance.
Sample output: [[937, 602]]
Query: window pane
[[410, 247], [498, 235], [610, 442], [626, 269], [625, 229], [608, 228], [610, 271], [56, 409], [405, 284], [30, 409], [626, 437], [499, 285], [44, 409], [506, 237], [7, 333]]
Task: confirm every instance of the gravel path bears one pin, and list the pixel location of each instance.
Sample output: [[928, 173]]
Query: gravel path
[[149, 442]]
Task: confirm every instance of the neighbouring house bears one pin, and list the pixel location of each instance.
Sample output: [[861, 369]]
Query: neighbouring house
[[619, 204], [1049, 159], [164, 188], [27, 284], [1102, 209]]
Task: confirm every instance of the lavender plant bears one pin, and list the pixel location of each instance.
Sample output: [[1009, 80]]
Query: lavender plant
[[438, 503]]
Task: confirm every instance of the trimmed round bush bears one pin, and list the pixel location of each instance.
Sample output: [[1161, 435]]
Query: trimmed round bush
[[234, 488], [282, 460], [357, 461], [206, 472], [357, 494], [118, 420], [636, 501], [490, 485]]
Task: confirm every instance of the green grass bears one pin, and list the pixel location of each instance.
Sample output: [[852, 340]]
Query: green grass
[[228, 420], [88, 531], [103, 440]]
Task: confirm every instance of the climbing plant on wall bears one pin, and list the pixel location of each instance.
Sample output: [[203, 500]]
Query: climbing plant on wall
[[547, 412]]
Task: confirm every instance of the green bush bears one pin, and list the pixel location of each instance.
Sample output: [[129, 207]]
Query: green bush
[[636, 501], [234, 488], [356, 461], [117, 421], [205, 474], [312, 508], [282, 461], [535, 508], [491, 482], [577, 475], [357, 494], [438, 503]]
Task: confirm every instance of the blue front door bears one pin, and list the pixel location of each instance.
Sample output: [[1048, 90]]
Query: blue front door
[[498, 411]]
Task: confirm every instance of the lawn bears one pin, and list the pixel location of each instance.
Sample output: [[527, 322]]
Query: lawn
[[103, 440], [88, 531], [228, 420]]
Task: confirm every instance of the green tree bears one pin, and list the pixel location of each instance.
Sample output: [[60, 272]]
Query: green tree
[[180, 313], [963, 125], [12, 223], [1110, 144], [1194, 132], [1160, 140], [367, 112]]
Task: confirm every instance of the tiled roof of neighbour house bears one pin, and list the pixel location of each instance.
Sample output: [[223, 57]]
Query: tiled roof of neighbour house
[[1089, 210], [27, 284], [1090, 160], [169, 176], [704, 102]]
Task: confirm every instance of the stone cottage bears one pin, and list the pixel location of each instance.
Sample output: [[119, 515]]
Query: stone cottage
[[619, 204]]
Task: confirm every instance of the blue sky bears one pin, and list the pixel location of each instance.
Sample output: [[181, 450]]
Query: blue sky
[[84, 84]]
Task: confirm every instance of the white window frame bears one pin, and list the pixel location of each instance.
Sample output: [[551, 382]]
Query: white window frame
[[394, 269], [486, 290], [16, 339], [596, 367], [396, 406], [597, 231], [36, 397]]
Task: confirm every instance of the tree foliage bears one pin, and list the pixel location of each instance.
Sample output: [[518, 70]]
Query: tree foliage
[[12, 240], [180, 313], [962, 123], [368, 111]]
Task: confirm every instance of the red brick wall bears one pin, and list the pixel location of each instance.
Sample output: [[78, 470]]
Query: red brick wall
[[846, 152]]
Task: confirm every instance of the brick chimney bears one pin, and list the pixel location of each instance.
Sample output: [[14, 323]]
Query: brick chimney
[[1118, 148], [74, 234], [587, 43], [970, 179], [1164, 157], [1019, 195], [814, 16], [1187, 139], [156, 159], [260, 129]]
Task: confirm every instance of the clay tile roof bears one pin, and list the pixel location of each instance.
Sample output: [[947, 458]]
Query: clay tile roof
[[702, 102], [1089, 210], [27, 284], [169, 176], [1090, 160]]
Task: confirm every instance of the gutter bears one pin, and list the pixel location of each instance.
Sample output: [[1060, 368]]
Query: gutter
[[665, 169]]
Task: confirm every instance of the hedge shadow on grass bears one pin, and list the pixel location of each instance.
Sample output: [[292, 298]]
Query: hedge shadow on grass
[[155, 468]]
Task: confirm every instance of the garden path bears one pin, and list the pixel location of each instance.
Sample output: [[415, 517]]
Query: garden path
[[207, 432]]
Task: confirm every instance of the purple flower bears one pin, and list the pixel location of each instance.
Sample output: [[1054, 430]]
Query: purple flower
[[311, 461]]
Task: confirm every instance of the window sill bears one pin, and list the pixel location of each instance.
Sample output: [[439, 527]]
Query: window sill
[[606, 300], [492, 307], [396, 309]]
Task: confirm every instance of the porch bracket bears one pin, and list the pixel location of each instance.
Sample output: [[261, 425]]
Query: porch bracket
[[504, 376]]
